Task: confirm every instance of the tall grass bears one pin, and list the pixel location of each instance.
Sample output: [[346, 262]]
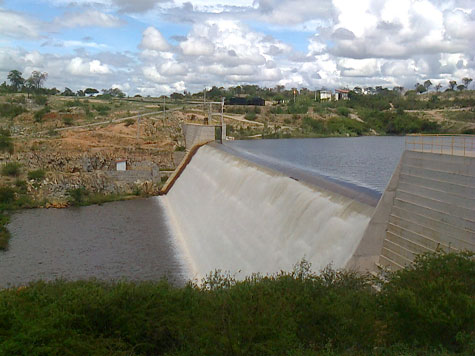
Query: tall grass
[[427, 309]]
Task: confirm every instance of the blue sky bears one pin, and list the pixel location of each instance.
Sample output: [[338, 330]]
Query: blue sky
[[154, 47]]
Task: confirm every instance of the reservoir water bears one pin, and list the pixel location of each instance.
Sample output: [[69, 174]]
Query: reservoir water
[[360, 161], [133, 240]]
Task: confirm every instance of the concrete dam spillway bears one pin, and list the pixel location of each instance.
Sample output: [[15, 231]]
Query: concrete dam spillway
[[233, 215]]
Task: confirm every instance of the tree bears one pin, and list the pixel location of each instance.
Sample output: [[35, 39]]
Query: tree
[[177, 96], [460, 87], [116, 92], [91, 91], [420, 88], [452, 84], [437, 87], [68, 92], [36, 79], [80, 93], [427, 84], [466, 81], [16, 79]]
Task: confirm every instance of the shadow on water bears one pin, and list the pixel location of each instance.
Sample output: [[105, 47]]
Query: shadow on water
[[120, 240]]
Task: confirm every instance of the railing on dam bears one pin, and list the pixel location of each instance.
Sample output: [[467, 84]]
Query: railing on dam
[[459, 145]]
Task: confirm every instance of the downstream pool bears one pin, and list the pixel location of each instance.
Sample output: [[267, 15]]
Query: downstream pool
[[119, 240]]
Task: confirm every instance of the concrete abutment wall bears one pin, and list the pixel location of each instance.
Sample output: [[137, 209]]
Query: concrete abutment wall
[[429, 204]]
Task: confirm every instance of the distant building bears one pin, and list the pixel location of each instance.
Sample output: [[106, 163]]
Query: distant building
[[341, 94], [325, 95], [121, 165], [236, 100]]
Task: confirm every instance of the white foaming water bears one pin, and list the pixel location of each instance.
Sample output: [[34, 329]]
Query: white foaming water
[[231, 215]]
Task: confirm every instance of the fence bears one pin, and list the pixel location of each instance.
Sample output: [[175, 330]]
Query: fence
[[460, 145]]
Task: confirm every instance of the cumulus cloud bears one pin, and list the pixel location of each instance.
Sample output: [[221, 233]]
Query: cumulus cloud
[[153, 40], [81, 67], [231, 42]]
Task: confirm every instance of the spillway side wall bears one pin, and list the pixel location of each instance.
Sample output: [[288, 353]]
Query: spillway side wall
[[428, 205]]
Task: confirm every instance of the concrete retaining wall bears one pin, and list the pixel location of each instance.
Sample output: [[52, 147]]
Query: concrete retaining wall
[[132, 176], [429, 204], [197, 134]]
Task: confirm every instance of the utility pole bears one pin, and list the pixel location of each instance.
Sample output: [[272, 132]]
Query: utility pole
[[223, 125], [164, 112]]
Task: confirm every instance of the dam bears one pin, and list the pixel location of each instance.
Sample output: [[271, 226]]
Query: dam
[[260, 207], [230, 210]]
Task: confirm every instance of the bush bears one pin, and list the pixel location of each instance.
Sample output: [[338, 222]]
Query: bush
[[11, 169], [290, 313], [432, 302], [102, 109], [21, 185], [7, 195], [68, 120], [250, 116], [6, 144], [77, 196], [129, 122], [10, 110], [343, 111], [20, 99], [37, 175], [40, 99], [38, 116]]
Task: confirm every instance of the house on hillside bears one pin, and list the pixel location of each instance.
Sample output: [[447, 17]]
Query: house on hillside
[[342, 94]]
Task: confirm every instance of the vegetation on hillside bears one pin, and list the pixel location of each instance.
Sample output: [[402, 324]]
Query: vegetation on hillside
[[428, 308]]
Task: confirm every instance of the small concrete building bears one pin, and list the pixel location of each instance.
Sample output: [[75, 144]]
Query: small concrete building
[[325, 95], [121, 165]]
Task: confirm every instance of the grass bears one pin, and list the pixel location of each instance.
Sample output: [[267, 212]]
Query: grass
[[296, 313]]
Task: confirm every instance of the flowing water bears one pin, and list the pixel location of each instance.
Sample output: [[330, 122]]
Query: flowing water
[[231, 215]]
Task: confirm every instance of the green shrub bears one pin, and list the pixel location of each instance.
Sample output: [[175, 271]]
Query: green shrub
[[68, 120], [10, 110], [432, 302], [129, 122], [40, 99], [38, 116], [20, 99], [179, 148], [11, 169], [38, 174], [4, 233], [77, 195], [6, 144], [102, 109], [250, 116], [343, 111], [7, 195], [290, 313], [21, 185]]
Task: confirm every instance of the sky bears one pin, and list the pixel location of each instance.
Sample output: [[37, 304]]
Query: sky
[[155, 47]]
